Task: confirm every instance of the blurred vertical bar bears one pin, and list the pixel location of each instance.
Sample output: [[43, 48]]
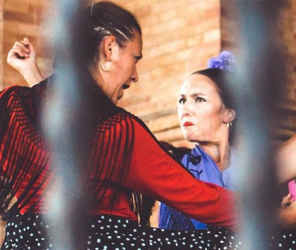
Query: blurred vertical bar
[[66, 128], [260, 75]]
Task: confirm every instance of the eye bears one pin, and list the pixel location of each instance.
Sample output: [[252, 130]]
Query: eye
[[200, 99], [181, 100]]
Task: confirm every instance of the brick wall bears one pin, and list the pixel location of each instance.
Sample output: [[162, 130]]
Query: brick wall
[[24, 18], [285, 126], [179, 37]]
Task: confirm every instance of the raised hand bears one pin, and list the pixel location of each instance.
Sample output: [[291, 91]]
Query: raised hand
[[22, 57], [287, 213]]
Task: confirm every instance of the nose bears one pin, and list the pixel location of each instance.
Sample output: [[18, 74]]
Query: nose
[[185, 109], [135, 76]]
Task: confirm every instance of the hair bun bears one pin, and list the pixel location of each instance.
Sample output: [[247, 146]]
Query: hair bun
[[224, 61]]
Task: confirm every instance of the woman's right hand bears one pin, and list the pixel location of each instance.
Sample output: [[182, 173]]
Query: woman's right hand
[[287, 213], [22, 57]]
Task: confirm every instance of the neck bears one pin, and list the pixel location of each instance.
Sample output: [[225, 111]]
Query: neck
[[218, 151], [97, 76]]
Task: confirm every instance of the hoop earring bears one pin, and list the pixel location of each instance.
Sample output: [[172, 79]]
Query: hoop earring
[[107, 66], [229, 124]]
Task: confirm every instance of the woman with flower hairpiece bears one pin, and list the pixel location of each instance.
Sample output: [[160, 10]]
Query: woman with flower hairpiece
[[125, 159], [206, 113]]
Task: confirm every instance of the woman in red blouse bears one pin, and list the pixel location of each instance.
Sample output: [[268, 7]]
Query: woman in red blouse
[[125, 160]]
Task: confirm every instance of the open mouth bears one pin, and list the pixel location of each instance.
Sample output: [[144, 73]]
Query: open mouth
[[125, 86]]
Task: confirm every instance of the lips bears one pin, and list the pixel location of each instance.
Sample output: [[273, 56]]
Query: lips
[[187, 124], [125, 86]]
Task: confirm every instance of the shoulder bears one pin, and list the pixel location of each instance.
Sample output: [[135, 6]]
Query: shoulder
[[121, 120], [9, 94], [117, 115], [16, 90], [177, 152], [11, 90], [111, 118]]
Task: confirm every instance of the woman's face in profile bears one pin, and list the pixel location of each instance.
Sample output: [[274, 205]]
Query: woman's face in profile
[[201, 111], [124, 71]]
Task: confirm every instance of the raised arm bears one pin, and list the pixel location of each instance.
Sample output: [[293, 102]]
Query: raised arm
[[22, 57]]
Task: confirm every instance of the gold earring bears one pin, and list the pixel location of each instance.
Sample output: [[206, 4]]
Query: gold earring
[[106, 65]]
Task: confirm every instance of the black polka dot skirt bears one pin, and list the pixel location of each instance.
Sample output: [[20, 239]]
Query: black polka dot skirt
[[116, 233], [283, 239]]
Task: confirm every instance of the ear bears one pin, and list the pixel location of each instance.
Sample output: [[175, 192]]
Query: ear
[[108, 43], [230, 115]]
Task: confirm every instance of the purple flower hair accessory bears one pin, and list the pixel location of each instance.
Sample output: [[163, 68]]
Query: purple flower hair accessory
[[224, 61]]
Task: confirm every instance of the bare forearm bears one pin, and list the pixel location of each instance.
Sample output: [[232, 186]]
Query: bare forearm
[[32, 76], [22, 57]]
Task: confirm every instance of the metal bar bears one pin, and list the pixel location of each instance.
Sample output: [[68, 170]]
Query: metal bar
[[67, 133], [259, 76]]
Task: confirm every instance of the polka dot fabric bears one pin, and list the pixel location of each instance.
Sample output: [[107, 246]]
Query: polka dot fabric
[[28, 232], [283, 240], [116, 233]]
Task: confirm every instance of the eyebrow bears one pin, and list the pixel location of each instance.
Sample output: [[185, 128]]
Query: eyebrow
[[193, 95], [197, 94]]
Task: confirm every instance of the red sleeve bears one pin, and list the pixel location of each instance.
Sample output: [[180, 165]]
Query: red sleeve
[[7, 89], [5, 96], [155, 173]]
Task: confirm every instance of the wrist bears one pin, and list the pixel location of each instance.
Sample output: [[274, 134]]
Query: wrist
[[32, 75]]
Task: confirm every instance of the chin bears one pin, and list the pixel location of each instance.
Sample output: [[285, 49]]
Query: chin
[[186, 136], [190, 139], [114, 100], [117, 99]]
